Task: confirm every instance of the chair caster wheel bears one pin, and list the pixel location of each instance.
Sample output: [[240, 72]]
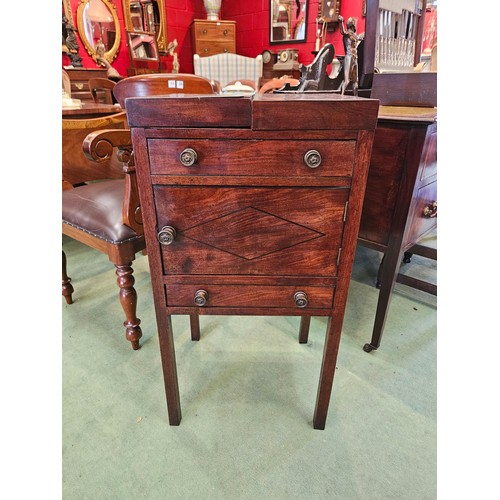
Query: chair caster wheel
[[369, 348]]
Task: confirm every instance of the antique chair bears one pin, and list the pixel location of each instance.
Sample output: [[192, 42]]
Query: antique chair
[[99, 203], [102, 90], [106, 215], [160, 84], [228, 67]]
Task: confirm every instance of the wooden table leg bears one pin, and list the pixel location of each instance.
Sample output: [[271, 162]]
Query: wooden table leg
[[194, 321], [330, 351], [388, 272], [169, 366], [305, 321]]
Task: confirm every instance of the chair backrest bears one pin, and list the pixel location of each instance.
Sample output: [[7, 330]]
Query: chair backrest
[[102, 90], [161, 84], [228, 67], [76, 168]]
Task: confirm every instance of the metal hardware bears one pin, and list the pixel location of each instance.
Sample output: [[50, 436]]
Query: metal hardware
[[225, 32], [300, 299], [188, 157], [167, 235], [205, 31], [338, 256], [200, 297], [205, 50], [431, 210], [345, 211], [312, 158], [226, 50]]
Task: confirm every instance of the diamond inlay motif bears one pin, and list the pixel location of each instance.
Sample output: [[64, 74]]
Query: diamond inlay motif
[[251, 233]]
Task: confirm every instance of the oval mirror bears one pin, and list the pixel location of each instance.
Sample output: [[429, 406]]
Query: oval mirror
[[99, 28], [288, 21]]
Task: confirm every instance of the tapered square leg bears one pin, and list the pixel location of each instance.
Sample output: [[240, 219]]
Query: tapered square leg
[[305, 322], [169, 366], [194, 321], [330, 351]]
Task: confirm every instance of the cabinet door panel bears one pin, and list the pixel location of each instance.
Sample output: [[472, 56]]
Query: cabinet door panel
[[266, 231]]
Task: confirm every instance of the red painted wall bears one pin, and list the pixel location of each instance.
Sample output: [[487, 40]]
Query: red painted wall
[[252, 30]]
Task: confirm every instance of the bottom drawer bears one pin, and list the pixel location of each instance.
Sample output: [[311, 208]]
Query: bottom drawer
[[258, 296]]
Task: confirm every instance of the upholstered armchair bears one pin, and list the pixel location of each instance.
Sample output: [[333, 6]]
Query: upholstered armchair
[[228, 67]]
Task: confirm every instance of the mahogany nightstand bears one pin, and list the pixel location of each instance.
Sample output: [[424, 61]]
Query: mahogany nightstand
[[251, 206]]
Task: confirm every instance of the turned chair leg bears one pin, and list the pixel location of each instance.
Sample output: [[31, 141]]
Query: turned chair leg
[[67, 287], [128, 300]]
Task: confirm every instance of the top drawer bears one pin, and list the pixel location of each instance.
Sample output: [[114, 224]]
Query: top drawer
[[274, 158], [214, 31]]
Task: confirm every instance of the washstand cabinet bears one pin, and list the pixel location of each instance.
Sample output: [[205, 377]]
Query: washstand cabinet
[[251, 206]]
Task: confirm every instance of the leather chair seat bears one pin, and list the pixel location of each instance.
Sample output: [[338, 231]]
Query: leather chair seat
[[97, 209]]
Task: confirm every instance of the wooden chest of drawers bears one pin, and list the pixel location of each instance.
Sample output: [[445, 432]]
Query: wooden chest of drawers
[[249, 209], [80, 81], [213, 37]]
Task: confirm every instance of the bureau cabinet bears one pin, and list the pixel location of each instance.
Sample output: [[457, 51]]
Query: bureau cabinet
[[248, 210], [213, 37]]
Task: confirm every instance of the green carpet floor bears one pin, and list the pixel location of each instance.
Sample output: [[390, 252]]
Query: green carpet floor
[[247, 390]]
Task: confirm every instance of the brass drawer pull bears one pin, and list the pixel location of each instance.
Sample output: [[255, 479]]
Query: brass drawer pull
[[200, 297], [205, 50], [188, 157], [312, 158], [226, 50], [205, 31], [300, 299], [167, 235], [225, 32], [431, 210]]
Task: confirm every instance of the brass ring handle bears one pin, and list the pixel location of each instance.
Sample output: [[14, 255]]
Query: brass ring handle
[[431, 210], [312, 158], [200, 297], [167, 235], [300, 299], [188, 157]]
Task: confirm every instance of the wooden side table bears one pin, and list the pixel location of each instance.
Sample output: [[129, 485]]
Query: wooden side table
[[251, 207], [400, 206]]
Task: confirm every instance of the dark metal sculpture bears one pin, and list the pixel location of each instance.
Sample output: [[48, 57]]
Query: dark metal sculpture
[[70, 43], [351, 41]]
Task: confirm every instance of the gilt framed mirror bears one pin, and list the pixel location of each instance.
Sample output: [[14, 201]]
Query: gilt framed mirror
[[147, 16], [329, 10], [66, 10], [99, 28], [288, 21]]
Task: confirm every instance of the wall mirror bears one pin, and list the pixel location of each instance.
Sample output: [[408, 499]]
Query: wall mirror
[[329, 10], [288, 21], [147, 16], [99, 28], [66, 10], [143, 47]]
